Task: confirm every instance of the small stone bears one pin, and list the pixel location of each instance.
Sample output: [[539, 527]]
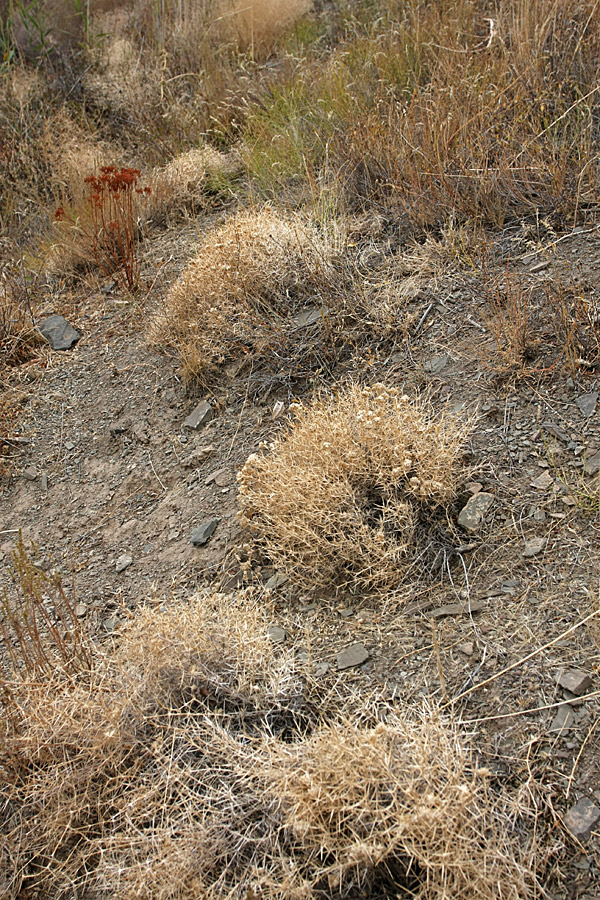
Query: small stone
[[355, 655], [575, 681], [457, 609], [44, 481], [540, 266], [534, 546], [563, 719], [276, 581], [204, 532], [543, 481], [467, 648], [121, 426], [81, 610], [109, 624], [473, 487], [278, 635], [123, 562], [218, 474], [197, 457], [321, 669], [581, 818], [435, 364], [309, 316], [30, 473], [591, 464], [199, 416], [472, 514], [587, 403], [278, 409], [346, 613], [59, 334]]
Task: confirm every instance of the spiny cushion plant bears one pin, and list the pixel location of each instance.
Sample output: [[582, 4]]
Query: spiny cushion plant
[[199, 761], [240, 289], [355, 490]]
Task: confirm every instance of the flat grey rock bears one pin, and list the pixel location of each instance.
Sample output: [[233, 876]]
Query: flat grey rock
[[199, 416], [309, 316], [563, 720], [277, 634], [355, 655], [581, 818], [30, 473], [534, 546], [436, 363], [587, 403], [204, 532], [473, 512], [555, 431], [123, 562], [543, 481], [59, 334], [457, 609], [575, 681], [276, 581], [591, 464]]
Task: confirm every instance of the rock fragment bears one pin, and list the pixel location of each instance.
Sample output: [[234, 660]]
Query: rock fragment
[[277, 634], [354, 655], [204, 532], [534, 547], [563, 720], [123, 562], [543, 481], [199, 416], [591, 463], [575, 681], [473, 512], [587, 403], [59, 334], [581, 818]]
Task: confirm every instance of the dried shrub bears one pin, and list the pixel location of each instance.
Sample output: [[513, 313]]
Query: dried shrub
[[356, 491], [192, 762], [181, 183], [240, 291], [397, 806], [256, 25]]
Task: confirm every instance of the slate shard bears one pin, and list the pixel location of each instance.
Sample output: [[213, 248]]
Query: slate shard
[[203, 533], [59, 334]]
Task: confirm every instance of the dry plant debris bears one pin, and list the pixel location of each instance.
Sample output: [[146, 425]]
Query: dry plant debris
[[356, 492], [241, 288], [195, 761], [181, 182]]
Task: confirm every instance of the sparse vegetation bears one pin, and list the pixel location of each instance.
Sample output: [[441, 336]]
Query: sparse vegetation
[[361, 228]]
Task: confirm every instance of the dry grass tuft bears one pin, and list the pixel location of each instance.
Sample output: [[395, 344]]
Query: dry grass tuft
[[256, 25], [356, 491], [192, 762], [241, 289], [181, 183], [398, 805]]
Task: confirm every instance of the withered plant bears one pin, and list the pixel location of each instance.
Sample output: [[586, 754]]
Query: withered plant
[[356, 491]]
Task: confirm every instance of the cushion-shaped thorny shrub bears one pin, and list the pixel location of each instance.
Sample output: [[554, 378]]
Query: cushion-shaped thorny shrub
[[356, 491], [241, 288]]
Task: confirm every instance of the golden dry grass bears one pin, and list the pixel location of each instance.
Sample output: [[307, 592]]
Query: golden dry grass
[[197, 761], [355, 491], [181, 183], [245, 281]]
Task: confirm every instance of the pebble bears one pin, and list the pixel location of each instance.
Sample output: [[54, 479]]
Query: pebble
[[575, 681], [587, 403], [309, 316], [199, 416], [59, 334], [276, 581], [123, 562], [467, 648], [473, 512], [456, 609], [591, 464], [543, 481], [563, 719], [354, 655], [30, 473], [197, 457], [534, 546], [204, 532], [81, 610], [581, 818], [278, 635]]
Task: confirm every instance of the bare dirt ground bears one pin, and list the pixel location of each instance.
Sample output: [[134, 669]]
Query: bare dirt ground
[[109, 484]]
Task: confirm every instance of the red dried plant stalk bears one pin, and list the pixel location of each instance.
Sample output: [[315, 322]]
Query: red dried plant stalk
[[112, 232]]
